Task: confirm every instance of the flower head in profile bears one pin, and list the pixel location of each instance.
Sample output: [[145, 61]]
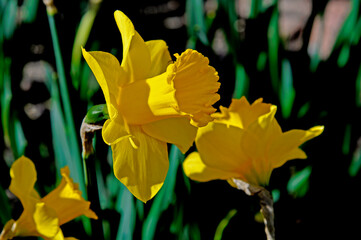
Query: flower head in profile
[[42, 217], [245, 142], [151, 101]]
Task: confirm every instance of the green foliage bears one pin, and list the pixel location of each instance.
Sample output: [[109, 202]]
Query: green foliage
[[223, 224], [299, 182]]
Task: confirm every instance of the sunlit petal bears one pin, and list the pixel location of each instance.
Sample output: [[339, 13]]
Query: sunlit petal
[[195, 169], [66, 200], [142, 169], [23, 177], [46, 220], [160, 57], [149, 100], [110, 76], [136, 57]]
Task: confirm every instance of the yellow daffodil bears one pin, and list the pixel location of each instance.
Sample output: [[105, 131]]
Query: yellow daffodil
[[151, 101], [42, 217], [245, 142]]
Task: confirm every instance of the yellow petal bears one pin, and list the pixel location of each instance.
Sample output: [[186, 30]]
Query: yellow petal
[[141, 170], [195, 169], [109, 75], [136, 57], [256, 140], [23, 178], [196, 84], [219, 148], [114, 131], [149, 100], [66, 200], [177, 130], [8, 230], [241, 113], [46, 221], [285, 147], [160, 57]]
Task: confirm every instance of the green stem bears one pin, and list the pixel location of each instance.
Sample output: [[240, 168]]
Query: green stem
[[70, 127]]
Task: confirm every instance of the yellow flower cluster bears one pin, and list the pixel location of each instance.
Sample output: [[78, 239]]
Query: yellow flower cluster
[[153, 101]]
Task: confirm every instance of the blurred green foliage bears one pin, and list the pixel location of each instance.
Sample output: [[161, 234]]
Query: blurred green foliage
[[245, 45]]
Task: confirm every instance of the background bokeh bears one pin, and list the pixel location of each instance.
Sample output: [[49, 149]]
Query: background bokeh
[[301, 55]]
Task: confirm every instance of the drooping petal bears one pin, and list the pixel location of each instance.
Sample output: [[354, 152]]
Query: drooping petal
[[23, 177], [195, 169], [285, 147], [196, 84], [8, 230], [149, 100], [177, 130], [66, 200], [136, 57], [110, 76], [160, 57], [142, 168]]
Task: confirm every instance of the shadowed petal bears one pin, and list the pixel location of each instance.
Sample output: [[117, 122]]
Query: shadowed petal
[[160, 57], [168, 130], [286, 146], [196, 85]]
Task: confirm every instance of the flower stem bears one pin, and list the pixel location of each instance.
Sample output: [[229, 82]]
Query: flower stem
[[87, 134], [266, 202]]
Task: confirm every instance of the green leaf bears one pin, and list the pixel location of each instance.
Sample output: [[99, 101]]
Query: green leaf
[[164, 197], [242, 82], [276, 193], [261, 61], [303, 110], [9, 18], [196, 24], [273, 43], [29, 9], [81, 37], [344, 55], [355, 162], [128, 215], [346, 140], [223, 224], [6, 96], [287, 93], [299, 183], [4, 207]]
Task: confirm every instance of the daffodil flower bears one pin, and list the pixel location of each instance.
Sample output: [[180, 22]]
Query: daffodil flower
[[151, 101], [42, 217], [245, 142]]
